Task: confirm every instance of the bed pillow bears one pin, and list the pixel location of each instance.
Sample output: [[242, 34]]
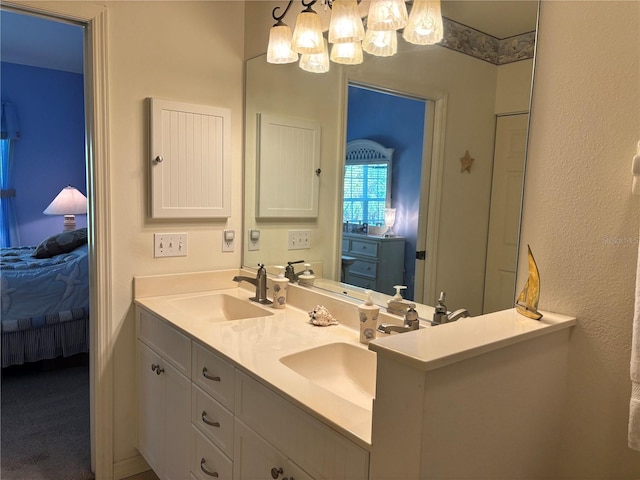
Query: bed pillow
[[64, 242]]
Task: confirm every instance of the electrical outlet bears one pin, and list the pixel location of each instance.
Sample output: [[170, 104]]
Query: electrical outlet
[[170, 244], [228, 237], [254, 240], [299, 239]]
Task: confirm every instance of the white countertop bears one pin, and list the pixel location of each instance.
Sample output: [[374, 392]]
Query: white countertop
[[436, 347], [256, 345]]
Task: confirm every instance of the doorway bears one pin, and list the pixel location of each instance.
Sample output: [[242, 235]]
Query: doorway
[[401, 122], [74, 373]]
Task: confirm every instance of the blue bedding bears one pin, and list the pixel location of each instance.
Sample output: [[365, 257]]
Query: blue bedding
[[40, 292]]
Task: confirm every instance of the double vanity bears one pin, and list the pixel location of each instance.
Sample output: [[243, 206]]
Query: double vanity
[[229, 388]]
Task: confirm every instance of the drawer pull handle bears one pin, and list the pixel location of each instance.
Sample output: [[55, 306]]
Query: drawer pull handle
[[276, 472], [156, 368], [207, 421], [206, 470], [208, 376]]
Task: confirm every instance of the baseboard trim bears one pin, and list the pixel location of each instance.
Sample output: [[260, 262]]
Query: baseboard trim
[[129, 467]]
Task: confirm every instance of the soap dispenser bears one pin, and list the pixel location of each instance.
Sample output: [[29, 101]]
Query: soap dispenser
[[280, 285], [307, 277], [396, 304], [368, 313]]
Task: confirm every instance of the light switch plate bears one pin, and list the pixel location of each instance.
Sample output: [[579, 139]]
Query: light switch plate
[[299, 239], [170, 244]]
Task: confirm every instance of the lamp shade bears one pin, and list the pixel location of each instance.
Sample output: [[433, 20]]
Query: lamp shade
[[315, 62], [387, 15], [424, 26], [346, 24], [347, 53], [307, 34], [380, 43], [70, 201], [279, 49]]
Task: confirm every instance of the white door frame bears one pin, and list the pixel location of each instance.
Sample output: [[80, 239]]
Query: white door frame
[[94, 18]]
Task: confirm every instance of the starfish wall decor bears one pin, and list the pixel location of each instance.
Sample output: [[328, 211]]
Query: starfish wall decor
[[466, 162]]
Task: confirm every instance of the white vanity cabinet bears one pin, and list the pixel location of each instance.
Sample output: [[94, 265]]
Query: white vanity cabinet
[[201, 417], [164, 400]]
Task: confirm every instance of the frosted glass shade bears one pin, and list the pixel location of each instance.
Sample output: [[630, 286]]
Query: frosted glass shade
[[380, 43], [424, 26], [315, 62], [346, 24], [387, 15], [347, 53], [307, 35], [279, 49]]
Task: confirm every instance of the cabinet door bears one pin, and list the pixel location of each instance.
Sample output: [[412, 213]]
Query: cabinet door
[[151, 408], [164, 415], [255, 458], [190, 160]]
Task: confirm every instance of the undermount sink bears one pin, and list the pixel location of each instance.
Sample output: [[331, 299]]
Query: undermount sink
[[348, 371], [220, 307]]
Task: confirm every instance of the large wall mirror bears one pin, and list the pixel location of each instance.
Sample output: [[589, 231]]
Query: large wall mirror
[[456, 118]]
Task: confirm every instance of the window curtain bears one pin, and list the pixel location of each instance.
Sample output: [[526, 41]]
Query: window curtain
[[9, 133]]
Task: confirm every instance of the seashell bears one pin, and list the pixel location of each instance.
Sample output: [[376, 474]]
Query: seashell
[[321, 317]]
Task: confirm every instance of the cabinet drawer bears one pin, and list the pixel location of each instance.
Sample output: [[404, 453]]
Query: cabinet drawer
[[214, 375], [319, 450], [208, 461], [362, 247], [364, 268], [215, 421], [166, 340]]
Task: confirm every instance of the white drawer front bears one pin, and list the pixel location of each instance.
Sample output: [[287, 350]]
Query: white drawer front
[[169, 342], [214, 375], [319, 450], [214, 420], [208, 461]]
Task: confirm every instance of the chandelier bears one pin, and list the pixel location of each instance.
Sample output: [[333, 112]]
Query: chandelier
[[347, 35]]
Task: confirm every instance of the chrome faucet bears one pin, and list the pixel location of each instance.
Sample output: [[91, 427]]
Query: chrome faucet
[[441, 315], [411, 322], [290, 272], [260, 281]]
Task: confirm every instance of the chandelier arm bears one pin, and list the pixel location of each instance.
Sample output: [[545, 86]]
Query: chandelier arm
[[279, 18], [308, 5]]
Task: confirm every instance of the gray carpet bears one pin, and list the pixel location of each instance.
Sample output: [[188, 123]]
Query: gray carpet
[[45, 424]]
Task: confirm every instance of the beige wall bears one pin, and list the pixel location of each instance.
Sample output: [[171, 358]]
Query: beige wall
[[581, 220], [185, 51]]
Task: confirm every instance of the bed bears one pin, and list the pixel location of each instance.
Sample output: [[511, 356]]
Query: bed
[[45, 300]]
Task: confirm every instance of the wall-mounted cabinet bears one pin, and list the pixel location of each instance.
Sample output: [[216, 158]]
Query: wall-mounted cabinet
[[190, 164], [288, 167]]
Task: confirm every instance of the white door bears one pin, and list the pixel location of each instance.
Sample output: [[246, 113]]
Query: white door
[[506, 194]]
